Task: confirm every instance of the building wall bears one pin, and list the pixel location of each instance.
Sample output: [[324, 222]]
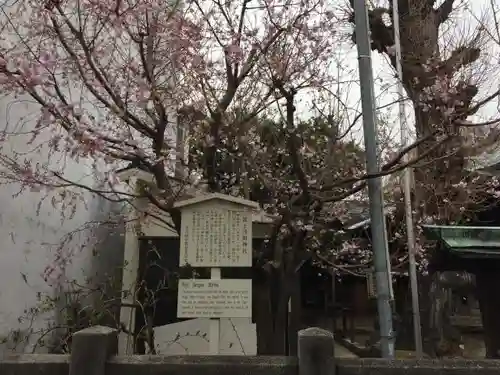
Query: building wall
[[45, 251]]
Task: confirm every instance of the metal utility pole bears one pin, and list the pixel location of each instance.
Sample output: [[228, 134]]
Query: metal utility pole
[[379, 237], [406, 182]]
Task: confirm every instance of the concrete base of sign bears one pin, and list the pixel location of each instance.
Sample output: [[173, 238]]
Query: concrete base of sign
[[237, 336]]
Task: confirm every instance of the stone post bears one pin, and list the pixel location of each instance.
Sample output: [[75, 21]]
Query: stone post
[[91, 348], [316, 352]]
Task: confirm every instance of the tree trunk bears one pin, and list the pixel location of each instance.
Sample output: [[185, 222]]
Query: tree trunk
[[487, 282], [294, 316], [424, 287], [404, 331], [272, 311], [262, 316], [280, 320]]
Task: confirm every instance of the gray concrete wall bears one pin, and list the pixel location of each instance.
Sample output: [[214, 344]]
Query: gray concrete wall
[[107, 259], [34, 267], [417, 367], [221, 365], [93, 353]]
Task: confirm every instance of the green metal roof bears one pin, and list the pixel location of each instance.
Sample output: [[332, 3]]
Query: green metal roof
[[470, 242]]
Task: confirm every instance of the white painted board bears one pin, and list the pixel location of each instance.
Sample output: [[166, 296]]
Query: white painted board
[[216, 234], [203, 298]]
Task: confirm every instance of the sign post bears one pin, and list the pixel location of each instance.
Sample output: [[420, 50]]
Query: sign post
[[214, 330], [216, 231]]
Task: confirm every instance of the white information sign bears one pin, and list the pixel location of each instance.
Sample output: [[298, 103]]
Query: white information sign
[[216, 235], [226, 298]]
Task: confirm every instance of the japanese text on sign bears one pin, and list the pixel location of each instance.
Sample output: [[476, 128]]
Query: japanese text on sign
[[216, 237]]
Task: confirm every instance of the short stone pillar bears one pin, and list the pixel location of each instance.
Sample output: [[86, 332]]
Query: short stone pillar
[[316, 352], [91, 348]]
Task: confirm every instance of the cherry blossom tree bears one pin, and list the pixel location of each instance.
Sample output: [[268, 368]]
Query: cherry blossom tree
[[300, 172], [110, 77], [135, 62], [445, 72]]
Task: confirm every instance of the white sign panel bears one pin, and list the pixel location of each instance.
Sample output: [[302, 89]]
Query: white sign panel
[[226, 298], [216, 236]]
